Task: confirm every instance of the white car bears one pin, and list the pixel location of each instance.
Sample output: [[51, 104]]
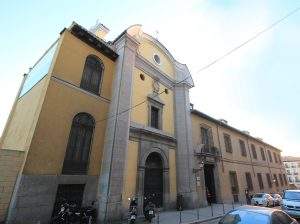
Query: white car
[[291, 203], [277, 199], [263, 199]]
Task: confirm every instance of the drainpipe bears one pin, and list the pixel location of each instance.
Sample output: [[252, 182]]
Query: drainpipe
[[220, 148]]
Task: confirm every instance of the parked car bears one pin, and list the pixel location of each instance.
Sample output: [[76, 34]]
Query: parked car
[[256, 215], [277, 199], [263, 199], [291, 203]]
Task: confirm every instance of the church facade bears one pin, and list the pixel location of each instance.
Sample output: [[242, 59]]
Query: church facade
[[109, 120]]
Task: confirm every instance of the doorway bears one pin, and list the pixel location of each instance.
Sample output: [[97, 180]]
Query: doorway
[[153, 184], [71, 193], [210, 183]]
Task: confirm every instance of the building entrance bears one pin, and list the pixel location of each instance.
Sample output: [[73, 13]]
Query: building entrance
[[153, 185], [210, 183], [70, 193]]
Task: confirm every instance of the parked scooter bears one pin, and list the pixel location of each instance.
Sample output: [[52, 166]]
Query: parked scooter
[[132, 210], [71, 213], [149, 211]]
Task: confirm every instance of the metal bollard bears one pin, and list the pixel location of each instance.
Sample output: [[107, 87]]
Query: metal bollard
[[179, 216], [198, 214], [157, 216], [232, 205], [223, 207], [212, 210]]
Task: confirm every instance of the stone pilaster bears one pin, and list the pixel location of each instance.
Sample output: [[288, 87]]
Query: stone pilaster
[[117, 133], [186, 180]]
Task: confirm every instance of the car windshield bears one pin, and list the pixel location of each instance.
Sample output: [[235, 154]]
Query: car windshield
[[291, 195], [244, 217], [258, 195]]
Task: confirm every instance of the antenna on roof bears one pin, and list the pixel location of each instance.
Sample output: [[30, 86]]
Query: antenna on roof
[[156, 34]]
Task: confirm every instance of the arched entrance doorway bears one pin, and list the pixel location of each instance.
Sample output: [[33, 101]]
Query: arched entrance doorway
[[153, 185]]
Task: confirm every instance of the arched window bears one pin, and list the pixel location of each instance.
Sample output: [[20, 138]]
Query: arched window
[[79, 144], [92, 74]]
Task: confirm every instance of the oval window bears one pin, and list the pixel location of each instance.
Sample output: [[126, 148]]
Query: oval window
[[156, 59]]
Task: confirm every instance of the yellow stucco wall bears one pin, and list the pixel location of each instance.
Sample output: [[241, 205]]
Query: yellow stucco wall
[[172, 173], [22, 124], [147, 49], [130, 172], [141, 89], [64, 99], [71, 59]]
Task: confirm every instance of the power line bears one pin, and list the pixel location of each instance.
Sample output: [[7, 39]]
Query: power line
[[130, 108], [245, 42], [216, 60]]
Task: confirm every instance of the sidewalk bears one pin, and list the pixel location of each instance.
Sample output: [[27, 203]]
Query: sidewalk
[[192, 216]]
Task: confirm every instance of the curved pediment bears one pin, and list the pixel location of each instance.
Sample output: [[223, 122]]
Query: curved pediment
[[154, 52]]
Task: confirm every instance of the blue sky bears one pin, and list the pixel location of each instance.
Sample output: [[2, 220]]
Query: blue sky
[[255, 89]]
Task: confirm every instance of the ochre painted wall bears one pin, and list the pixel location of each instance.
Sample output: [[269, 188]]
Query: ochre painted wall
[[10, 164], [71, 59], [22, 124], [62, 102], [130, 172], [140, 91], [172, 173], [147, 49]]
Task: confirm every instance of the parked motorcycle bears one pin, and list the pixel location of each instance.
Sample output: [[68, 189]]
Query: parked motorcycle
[[71, 213], [132, 210], [149, 211]]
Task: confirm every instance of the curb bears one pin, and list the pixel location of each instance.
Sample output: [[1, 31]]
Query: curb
[[204, 220]]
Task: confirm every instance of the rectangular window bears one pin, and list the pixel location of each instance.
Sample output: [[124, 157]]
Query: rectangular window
[[227, 141], [275, 157], [253, 151], [233, 182], [154, 117], [262, 152], [243, 148], [206, 139], [249, 181], [269, 180], [260, 181], [270, 156], [276, 180], [280, 179]]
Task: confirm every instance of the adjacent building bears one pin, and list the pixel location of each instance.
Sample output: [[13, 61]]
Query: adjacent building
[[292, 166], [108, 120]]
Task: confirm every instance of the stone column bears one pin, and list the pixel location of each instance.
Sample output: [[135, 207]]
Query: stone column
[[186, 180], [117, 133]]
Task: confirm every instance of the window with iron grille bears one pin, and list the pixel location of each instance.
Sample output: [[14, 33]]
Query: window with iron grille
[[253, 151], [206, 138], [243, 148], [262, 152], [280, 179], [92, 74], [260, 181], [79, 144], [270, 156], [227, 141], [276, 180], [249, 181], [154, 117], [234, 182], [275, 157], [269, 180]]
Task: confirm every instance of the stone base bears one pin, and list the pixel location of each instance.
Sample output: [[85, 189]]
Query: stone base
[[34, 196]]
